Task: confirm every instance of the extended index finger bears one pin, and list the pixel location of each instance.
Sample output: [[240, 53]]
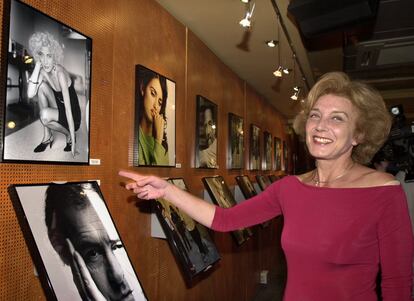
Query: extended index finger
[[129, 174]]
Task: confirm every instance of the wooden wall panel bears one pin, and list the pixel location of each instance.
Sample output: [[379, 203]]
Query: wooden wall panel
[[126, 33]]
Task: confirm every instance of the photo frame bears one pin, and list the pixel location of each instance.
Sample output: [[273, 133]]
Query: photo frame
[[267, 158], [221, 195], [248, 191], [189, 241], [277, 150], [236, 142], [48, 71], [263, 181], [65, 225], [254, 147], [206, 133], [273, 178], [154, 135], [285, 165], [246, 186]]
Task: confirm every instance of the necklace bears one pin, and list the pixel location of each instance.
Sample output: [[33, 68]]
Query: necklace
[[318, 182]]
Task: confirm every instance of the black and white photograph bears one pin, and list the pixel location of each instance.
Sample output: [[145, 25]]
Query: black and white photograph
[[221, 195], [263, 181], [236, 142], [48, 88], [267, 158], [190, 241], [277, 150], [154, 137], [246, 186], [74, 242], [206, 133], [254, 147]]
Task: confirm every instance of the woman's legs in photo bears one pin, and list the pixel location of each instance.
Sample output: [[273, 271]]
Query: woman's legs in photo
[[49, 116]]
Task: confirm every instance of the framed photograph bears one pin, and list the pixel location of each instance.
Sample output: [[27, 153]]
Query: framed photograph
[[190, 241], [285, 165], [248, 191], [277, 151], [254, 147], [154, 137], [267, 162], [73, 241], [221, 195], [236, 142], [206, 133], [246, 186], [263, 181], [273, 178], [48, 86]]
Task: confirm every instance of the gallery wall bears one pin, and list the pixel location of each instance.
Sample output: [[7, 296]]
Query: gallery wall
[[126, 33]]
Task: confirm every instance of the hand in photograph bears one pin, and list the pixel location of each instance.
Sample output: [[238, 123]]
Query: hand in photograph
[[82, 278]]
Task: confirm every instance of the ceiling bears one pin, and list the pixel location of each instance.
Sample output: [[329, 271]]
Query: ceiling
[[379, 50]]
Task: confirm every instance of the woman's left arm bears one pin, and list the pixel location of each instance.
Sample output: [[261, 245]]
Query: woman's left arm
[[68, 108], [396, 249]]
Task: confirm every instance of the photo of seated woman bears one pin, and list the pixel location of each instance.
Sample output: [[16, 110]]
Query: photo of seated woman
[[47, 119], [155, 119]]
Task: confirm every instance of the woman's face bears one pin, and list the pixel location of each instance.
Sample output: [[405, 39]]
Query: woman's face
[[152, 95], [46, 58], [330, 127]]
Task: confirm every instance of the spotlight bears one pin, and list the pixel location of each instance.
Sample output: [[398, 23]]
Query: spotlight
[[296, 88], [278, 72], [295, 96], [245, 22], [245, 1], [286, 70], [271, 43]]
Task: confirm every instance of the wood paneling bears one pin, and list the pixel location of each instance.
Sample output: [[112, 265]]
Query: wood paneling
[[126, 33]]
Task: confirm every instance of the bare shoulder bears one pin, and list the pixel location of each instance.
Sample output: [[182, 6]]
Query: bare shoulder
[[370, 177]]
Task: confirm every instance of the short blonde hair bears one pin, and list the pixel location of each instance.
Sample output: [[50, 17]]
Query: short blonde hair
[[44, 39], [373, 122]]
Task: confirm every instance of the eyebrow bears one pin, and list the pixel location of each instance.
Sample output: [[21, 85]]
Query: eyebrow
[[333, 112]]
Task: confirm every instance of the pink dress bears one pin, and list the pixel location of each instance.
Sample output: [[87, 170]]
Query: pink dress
[[335, 239]]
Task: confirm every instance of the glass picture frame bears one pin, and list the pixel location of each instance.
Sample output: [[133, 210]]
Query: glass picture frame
[[46, 104], [70, 232], [263, 181], [206, 133], [277, 151], [221, 195], [236, 142], [154, 134], [246, 186], [267, 151], [254, 154], [189, 241]]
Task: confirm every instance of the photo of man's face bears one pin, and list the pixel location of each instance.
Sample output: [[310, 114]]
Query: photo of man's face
[[82, 254], [91, 241]]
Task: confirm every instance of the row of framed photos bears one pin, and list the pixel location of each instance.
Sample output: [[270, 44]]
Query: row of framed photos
[[47, 105], [73, 239]]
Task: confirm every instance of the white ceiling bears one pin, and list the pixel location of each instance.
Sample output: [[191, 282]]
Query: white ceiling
[[216, 23]]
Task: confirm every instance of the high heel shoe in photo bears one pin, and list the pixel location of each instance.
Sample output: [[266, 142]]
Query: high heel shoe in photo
[[68, 146], [42, 146]]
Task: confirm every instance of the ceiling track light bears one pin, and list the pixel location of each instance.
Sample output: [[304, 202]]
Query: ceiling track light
[[295, 96], [272, 43], [245, 1], [246, 21], [278, 72], [286, 70]]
